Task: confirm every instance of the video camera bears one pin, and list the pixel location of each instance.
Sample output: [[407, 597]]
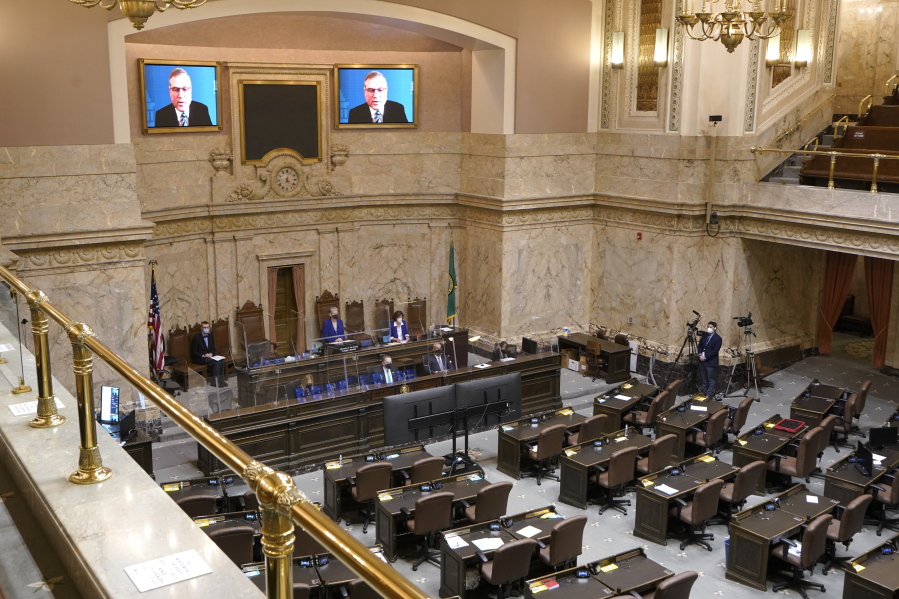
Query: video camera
[[692, 324], [744, 321]]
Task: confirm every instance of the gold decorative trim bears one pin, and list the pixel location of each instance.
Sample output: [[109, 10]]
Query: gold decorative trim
[[831, 41], [677, 75], [752, 87], [605, 109]]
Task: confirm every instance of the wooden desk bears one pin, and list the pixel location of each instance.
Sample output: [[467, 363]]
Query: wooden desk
[[576, 462], [617, 402], [752, 447], [392, 501], [752, 530], [140, 447], [876, 575], [339, 499], [197, 486], [844, 482], [811, 410], [617, 356], [455, 561], [678, 422], [513, 436], [571, 586], [651, 518], [824, 391]]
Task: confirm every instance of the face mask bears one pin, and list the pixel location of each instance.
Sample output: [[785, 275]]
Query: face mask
[[387, 365], [710, 330], [399, 320], [205, 331]]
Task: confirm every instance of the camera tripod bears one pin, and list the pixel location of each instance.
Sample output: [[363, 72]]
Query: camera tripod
[[751, 374], [689, 344]]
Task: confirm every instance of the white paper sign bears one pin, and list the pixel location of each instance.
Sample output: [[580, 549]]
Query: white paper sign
[[29, 408], [167, 570], [456, 542], [666, 489], [488, 544], [528, 531], [699, 408], [811, 498], [6, 347], [624, 397]]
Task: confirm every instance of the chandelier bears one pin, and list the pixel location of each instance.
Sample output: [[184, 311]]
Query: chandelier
[[138, 11], [732, 25]]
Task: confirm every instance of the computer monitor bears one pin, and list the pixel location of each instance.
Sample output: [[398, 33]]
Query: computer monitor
[[884, 437], [529, 346], [864, 459], [109, 404], [505, 388], [128, 427], [418, 416]]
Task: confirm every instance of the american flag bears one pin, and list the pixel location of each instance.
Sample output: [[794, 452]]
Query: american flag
[[154, 330]]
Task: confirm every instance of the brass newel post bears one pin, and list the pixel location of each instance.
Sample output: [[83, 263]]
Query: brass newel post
[[833, 162], [47, 416], [274, 490], [90, 465], [874, 176]]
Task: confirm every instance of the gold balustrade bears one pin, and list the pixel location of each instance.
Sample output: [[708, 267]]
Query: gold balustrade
[[834, 154], [283, 505]]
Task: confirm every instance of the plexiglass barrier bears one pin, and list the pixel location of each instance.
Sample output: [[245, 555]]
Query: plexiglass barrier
[[11, 340]]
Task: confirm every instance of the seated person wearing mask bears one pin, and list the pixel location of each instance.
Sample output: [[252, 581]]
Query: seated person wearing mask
[[202, 348], [436, 361], [501, 350], [332, 329], [399, 330], [387, 374]]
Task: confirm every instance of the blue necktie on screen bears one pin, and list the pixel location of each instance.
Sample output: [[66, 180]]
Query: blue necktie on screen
[[184, 119], [378, 117]]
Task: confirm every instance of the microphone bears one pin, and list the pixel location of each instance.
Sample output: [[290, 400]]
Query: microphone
[[696, 313]]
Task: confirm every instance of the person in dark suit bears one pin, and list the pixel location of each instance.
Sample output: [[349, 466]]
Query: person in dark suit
[[202, 348], [183, 111], [708, 349], [332, 329], [377, 108], [399, 330], [385, 372], [501, 350], [436, 361]]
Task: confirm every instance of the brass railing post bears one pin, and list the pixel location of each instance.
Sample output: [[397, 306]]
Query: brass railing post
[[833, 163], [90, 464], [274, 490], [874, 176], [47, 416]]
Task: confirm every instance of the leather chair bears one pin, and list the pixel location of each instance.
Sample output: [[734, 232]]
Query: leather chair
[[851, 519], [509, 566], [236, 542], [673, 390], [548, 448], [676, 587], [197, 505], [250, 501], [804, 462], [364, 487], [712, 435], [304, 544], [697, 512], [860, 406], [591, 429], [301, 590], [565, 541], [424, 470], [659, 456], [647, 419], [736, 420], [735, 493], [829, 437], [814, 536], [490, 503], [845, 421], [433, 514], [616, 477], [886, 495], [596, 364]]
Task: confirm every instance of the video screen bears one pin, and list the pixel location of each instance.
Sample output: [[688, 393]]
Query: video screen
[[109, 404], [180, 97], [376, 96]]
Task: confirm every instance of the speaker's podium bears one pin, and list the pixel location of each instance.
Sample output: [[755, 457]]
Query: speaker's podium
[[341, 347]]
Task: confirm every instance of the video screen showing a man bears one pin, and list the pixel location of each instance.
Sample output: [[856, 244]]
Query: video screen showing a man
[[376, 97], [180, 96]]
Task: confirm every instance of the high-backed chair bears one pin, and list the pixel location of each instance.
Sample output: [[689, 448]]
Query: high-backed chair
[[423, 470], [354, 320], [221, 332], [860, 406], [845, 421], [697, 512], [621, 339], [806, 458], [253, 342], [596, 364], [676, 587], [417, 319], [565, 542], [710, 437], [510, 565], [736, 419], [490, 502], [616, 477], [886, 495], [179, 348], [364, 487], [647, 419], [829, 437], [591, 429], [236, 542], [659, 455], [735, 493], [851, 518], [197, 505], [814, 537], [383, 315], [322, 310], [301, 590], [433, 513], [548, 448], [673, 390]]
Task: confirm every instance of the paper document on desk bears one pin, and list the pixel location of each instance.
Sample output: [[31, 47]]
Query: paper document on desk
[[878, 458], [29, 408], [482, 366], [811, 499], [699, 408], [666, 489], [456, 542], [507, 359], [528, 531], [622, 397], [488, 544]]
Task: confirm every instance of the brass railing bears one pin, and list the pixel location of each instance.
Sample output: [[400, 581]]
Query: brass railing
[[833, 160], [870, 100], [890, 80], [283, 505]]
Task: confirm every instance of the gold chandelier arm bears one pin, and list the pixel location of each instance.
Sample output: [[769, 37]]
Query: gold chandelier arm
[[93, 3], [179, 4]]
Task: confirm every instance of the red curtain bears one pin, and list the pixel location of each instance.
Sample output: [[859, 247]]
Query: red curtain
[[837, 277], [299, 294], [879, 282], [272, 300]]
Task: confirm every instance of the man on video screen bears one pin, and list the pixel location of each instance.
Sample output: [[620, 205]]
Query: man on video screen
[[183, 111], [377, 108]]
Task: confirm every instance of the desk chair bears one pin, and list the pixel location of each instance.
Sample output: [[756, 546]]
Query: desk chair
[[736, 419], [844, 423], [676, 587], [301, 590], [647, 419], [659, 455], [364, 488], [359, 589], [198, 505], [509, 566], [545, 452], [734, 494], [565, 542], [852, 517], [490, 503], [712, 435], [616, 477], [433, 513], [591, 429], [236, 542], [813, 539], [596, 364], [860, 407], [804, 462], [673, 390], [424, 470], [250, 501], [886, 495], [829, 438], [697, 512], [304, 544]]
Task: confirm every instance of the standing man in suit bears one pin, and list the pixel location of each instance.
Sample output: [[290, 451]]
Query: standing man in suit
[[387, 373], [708, 349], [183, 111], [202, 348], [377, 108], [436, 361], [332, 330], [399, 330]]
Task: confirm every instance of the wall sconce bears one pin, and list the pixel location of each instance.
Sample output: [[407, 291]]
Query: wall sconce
[[803, 48], [660, 57], [617, 58], [772, 51]]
